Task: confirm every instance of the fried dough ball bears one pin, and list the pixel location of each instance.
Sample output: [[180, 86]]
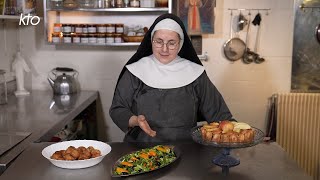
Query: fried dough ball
[[83, 157], [75, 153], [68, 157], [95, 153], [81, 148], [90, 148], [70, 149], [57, 155], [80, 153], [86, 152]]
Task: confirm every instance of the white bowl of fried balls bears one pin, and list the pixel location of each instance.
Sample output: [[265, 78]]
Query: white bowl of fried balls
[[76, 154]]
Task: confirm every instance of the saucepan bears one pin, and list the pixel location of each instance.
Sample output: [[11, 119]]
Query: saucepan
[[317, 33]]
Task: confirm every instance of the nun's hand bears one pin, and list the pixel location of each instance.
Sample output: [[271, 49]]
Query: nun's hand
[[144, 125]]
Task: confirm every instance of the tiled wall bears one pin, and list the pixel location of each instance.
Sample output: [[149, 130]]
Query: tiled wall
[[245, 87]]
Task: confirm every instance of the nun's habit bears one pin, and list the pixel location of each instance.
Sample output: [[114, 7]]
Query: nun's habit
[[172, 97]]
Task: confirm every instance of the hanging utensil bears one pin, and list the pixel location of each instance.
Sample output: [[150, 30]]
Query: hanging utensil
[[257, 22], [317, 33], [242, 22], [248, 56], [234, 48]]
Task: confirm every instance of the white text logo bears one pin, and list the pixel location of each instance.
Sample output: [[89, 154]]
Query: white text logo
[[26, 19]]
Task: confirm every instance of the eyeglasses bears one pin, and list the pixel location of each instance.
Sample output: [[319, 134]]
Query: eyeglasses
[[172, 44]]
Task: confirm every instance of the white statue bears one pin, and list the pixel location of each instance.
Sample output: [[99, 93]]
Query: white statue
[[19, 65]]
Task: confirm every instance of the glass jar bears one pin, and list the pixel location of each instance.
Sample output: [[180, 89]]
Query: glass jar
[[161, 3], [109, 38], [78, 28], [110, 28], [86, 3], [106, 3], [119, 4], [118, 38], [147, 3], [119, 28], [92, 28], [134, 3], [3, 87], [66, 28], [113, 3], [92, 38], [76, 38], [99, 4], [67, 38], [57, 27], [85, 28], [70, 4], [126, 3], [55, 37], [101, 38], [101, 28], [84, 38], [55, 4]]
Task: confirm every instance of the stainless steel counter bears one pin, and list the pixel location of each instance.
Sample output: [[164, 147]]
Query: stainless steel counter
[[32, 114], [264, 161]]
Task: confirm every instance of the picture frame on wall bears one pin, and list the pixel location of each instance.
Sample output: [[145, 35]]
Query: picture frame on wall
[[198, 16]]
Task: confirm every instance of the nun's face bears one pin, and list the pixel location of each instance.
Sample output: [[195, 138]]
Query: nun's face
[[165, 45]]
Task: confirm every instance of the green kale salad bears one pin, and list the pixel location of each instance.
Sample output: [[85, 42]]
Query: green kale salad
[[145, 160]]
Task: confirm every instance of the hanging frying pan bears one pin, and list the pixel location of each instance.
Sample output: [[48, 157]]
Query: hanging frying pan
[[233, 48], [317, 33]]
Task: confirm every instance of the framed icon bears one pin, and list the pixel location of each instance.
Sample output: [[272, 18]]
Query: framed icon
[[198, 16]]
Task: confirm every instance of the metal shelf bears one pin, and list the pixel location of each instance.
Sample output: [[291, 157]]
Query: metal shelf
[[95, 44], [112, 9], [13, 17]]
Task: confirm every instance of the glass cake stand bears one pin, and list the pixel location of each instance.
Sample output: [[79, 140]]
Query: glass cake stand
[[224, 159]]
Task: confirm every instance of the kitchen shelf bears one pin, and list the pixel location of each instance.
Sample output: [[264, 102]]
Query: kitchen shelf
[[112, 9], [12, 17], [130, 17], [96, 44]]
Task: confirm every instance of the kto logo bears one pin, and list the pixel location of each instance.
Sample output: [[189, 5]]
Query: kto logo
[[26, 19]]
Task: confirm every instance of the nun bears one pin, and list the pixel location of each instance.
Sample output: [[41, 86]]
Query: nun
[[163, 90]]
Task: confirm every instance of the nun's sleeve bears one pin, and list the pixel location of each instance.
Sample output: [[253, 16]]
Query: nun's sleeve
[[120, 110], [211, 105]]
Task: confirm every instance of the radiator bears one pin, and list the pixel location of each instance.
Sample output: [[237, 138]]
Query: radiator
[[298, 129]]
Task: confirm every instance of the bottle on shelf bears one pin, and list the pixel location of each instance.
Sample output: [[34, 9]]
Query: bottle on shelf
[[126, 3], [56, 4], [119, 4]]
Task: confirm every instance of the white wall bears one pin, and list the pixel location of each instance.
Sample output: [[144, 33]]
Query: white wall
[[246, 88]]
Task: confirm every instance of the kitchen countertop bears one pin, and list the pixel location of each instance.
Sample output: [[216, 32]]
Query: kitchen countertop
[[32, 114], [263, 161]]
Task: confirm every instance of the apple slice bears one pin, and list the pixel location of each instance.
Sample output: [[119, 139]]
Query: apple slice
[[226, 126]]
